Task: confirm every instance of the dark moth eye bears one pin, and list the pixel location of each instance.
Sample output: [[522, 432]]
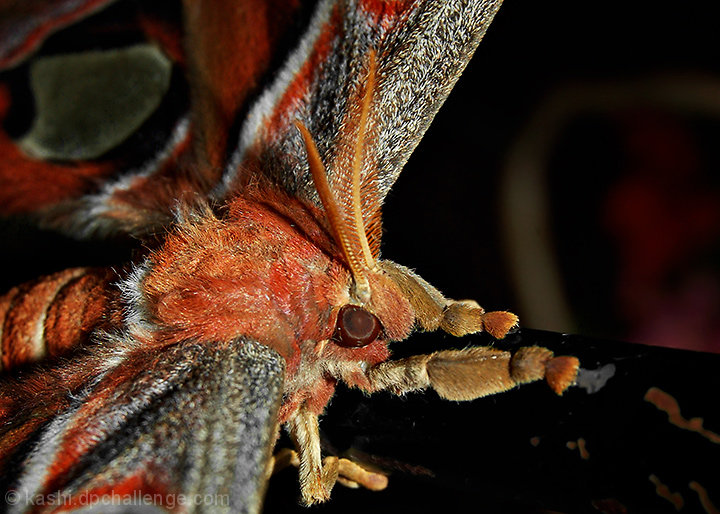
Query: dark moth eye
[[356, 327]]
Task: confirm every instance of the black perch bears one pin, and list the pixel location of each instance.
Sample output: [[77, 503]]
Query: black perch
[[640, 433]]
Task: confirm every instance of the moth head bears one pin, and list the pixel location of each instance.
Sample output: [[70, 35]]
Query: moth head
[[352, 203], [385, 297]]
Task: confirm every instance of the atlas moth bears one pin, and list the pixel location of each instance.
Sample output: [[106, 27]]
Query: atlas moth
[[259, 286]]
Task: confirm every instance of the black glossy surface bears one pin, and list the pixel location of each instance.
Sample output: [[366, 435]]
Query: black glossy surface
[[480, 455]]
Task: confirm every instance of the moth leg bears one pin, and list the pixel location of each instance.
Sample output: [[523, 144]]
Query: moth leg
[[317, 475], [456, 317], [282, 459], [461, 317], [353, 475], [474, 372], [350, 474]]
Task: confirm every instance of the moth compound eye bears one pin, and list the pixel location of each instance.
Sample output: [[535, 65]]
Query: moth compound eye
[[356, 327]]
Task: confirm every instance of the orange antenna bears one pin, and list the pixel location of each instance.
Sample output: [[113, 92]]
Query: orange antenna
[[317, 170], [346, 213], [358, 165]]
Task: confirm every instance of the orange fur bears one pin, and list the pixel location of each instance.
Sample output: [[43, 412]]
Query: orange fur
[[268, 270], [561, 372], [210, 278]]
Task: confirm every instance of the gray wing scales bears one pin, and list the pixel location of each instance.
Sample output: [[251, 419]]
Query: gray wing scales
[[232, 448], [422, 61], [192, 427], [421, 49]]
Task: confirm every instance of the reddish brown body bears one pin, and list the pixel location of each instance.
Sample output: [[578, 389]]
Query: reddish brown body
[[268, 270], [51, 315], [217, 279]]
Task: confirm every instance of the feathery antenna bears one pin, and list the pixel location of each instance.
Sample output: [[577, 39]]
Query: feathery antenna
[[346, 216]]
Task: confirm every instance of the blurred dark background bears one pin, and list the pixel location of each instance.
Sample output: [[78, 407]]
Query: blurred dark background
[[572, 177]]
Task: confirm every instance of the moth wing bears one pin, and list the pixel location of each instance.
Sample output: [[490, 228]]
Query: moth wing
[[75, 90], [421, 48], [250, 77], [25, 25], [98, 176], [190, 428]]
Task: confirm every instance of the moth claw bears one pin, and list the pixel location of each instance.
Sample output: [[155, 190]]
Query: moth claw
[[318, 477], [346, 473], [318, 487]]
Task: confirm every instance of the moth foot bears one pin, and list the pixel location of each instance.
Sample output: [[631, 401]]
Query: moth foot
[[462, 317], [561, 372], [317, 485], [343, 471], [499, 323], [346, 473], [351, 474], [532, 363]]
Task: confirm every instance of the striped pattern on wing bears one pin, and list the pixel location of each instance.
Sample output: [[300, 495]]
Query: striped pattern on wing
[[197, 420]]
